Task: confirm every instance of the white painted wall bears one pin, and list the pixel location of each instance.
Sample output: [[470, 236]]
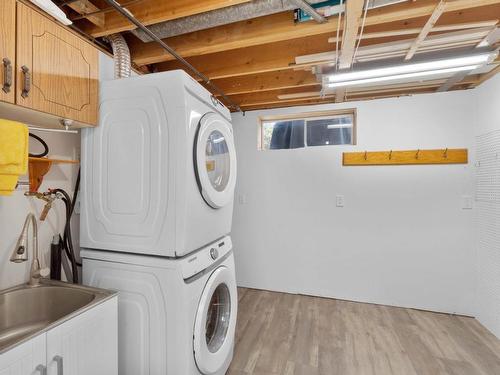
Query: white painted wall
[[487, 130], [402, 238], [13, 209]]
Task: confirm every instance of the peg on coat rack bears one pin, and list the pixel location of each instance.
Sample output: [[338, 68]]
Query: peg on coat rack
[[390, 155], [445, 155], [366, 155], [418, 152]]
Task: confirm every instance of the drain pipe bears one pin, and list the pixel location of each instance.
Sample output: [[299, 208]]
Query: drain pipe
[[121, 56]]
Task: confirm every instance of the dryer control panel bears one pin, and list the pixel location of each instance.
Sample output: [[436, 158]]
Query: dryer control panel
[[206, 257]]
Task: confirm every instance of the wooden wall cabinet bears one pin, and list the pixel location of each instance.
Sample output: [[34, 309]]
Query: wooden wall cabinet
[[7, 50], [55, 72]]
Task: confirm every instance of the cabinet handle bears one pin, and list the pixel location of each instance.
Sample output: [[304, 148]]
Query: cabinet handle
[[27, 81], [41, 369], [7, 75], [60, 364]]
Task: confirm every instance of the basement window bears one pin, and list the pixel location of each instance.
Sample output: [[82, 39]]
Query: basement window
[[330, 128]]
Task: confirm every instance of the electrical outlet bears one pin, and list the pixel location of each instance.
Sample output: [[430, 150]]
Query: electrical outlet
[[340, 201]]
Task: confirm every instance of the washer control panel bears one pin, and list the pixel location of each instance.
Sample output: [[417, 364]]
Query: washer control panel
[[205, 257]]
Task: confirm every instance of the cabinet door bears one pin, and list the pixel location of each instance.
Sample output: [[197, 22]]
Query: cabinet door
[[25, 359], [57, 72], [7, 49], [86, 344]]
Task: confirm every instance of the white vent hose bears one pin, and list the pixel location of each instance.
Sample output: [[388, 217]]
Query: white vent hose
[[121, 55]]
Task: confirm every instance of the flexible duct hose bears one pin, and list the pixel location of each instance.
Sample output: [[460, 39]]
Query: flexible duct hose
[[121, 55]]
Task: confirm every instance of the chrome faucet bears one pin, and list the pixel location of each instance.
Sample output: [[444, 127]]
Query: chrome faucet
[[20, 253]]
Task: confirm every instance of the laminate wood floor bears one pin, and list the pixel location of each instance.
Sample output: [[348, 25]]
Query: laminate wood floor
[[289, 334]]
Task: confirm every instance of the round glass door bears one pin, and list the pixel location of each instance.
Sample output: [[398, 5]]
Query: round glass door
[[218, 316], [215, 322], [215, 160], [218, 160]]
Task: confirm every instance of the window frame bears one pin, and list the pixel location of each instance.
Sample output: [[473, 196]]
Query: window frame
[[307, 116]]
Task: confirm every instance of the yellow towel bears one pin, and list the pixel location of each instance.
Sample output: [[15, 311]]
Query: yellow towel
[[13, 154]]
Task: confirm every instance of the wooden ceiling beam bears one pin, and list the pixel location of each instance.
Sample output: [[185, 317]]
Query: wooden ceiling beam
[[155, 11], [278, 27], [268, 29], [281, 55], [296, 95], [331, 99], [85, 7], [417, 30], [253, 60], [440, 8], [282, 79], [352, 22]]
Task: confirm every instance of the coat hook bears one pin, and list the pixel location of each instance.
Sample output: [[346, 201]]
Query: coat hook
[[445, 155], [390, 155], [416, 156], [366, 155]]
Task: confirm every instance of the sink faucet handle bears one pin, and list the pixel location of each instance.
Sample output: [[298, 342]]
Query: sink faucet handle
[[49, 199]]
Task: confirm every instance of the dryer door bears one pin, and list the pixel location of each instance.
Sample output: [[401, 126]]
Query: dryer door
[[215, 160], [215, 323]]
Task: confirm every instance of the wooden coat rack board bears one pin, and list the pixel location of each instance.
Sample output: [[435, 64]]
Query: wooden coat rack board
[[407, 157]]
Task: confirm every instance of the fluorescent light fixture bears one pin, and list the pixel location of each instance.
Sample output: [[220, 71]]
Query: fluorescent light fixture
[[402, 76], [412, 68]]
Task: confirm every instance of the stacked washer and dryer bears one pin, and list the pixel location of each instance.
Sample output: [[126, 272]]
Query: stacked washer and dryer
[[158, 179]]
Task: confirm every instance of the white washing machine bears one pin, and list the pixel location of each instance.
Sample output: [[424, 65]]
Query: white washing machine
[[158, 174], [176, 316]]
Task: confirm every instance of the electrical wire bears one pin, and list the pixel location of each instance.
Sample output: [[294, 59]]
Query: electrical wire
[[361, 31], [42, 142], [337, 39]]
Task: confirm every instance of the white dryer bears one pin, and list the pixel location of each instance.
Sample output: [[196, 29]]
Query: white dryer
[[176, 316], [158, 173]]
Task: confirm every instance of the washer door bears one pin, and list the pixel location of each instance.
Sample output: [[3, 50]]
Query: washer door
[[215, 322], [215, 160]]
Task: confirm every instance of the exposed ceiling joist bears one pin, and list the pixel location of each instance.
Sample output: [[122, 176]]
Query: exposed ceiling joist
[[440, 8], [255, 59], [268, 29], [400, 47], [219, 17], [366, 95], [85, 7], [280, 27], [379, 88], [352, 22], [412, 31], [266, 82], [154, 11]]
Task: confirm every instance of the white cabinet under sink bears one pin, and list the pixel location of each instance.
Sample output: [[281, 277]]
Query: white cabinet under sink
[[86, 344], [25, 358]]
